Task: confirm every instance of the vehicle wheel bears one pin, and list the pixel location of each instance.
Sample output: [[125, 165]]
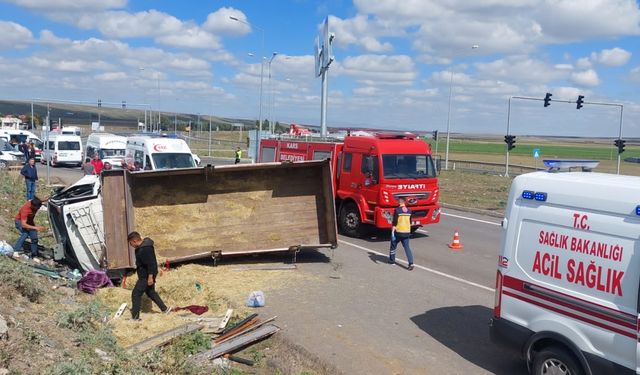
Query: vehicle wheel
[[350, 223], [3, 164], [555, 360]]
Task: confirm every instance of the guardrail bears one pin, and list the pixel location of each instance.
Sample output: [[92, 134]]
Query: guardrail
[[490, 168]]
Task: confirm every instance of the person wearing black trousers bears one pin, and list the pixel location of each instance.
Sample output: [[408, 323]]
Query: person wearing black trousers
[[147, 270]]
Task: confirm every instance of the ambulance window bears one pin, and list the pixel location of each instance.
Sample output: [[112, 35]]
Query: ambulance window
[[90, 152], [147, 165], [321, 155], [268, 154], [138, 156], [52, 145], [347, 163]]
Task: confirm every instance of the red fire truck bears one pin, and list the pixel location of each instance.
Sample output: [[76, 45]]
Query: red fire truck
[[369, 174]]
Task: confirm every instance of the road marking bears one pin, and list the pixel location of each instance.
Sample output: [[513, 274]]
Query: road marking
[[423, 268], [472, 219]]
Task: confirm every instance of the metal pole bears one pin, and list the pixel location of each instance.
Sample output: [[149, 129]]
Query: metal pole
[[175, 123], [210, 116], [32, 115], [619, 137], [47, 140], [259, 134], [506, 166], [323, 103], [446, 153]]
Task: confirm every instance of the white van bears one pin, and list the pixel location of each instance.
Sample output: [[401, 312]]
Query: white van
[[62, 150], [158, 153], [16, 137], [569, 273], [110, 147]]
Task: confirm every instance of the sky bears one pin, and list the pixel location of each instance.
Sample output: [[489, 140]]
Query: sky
[[396, 62]]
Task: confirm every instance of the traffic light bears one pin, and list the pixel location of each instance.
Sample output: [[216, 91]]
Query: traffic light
[[124, 104], [99, 103], [547, 99], [510, 140], [435, 135], [580, 101], [620, 145]]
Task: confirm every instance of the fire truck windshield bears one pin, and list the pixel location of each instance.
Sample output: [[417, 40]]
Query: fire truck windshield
[[398, 166]]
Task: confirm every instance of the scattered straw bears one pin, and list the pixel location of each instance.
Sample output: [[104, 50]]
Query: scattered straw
[[218, 287]]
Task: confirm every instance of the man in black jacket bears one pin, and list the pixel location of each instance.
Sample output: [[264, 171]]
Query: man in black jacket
[[30, 174], [147, 270]]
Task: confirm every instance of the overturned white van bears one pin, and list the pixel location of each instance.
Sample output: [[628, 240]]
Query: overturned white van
[[568, 273]]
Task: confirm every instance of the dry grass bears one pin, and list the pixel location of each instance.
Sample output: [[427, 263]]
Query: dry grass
[[220, 288]]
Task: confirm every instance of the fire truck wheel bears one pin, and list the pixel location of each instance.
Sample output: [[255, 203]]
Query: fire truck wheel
[[555, 360], [350, 220]]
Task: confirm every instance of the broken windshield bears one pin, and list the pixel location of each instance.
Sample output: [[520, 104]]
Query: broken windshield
[[399, 166]]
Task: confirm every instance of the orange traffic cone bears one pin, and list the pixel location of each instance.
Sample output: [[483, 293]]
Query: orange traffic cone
[[456, 245]]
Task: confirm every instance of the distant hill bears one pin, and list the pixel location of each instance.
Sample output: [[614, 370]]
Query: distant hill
[[76, 114]]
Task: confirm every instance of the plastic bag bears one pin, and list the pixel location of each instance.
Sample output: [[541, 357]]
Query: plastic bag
[[5, 248], [256, 299]]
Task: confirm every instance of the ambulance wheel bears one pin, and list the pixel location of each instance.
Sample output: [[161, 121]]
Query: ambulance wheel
[[555, 360], [3, 164], [350, 223]]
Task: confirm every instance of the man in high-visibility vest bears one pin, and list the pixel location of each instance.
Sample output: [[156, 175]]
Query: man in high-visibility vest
[[238, 155], [400, 232]]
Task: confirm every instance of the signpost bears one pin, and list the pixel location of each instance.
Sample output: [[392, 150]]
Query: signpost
[[536, 156]]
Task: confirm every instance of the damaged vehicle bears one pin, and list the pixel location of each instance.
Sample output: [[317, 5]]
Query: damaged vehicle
[[194, 213]]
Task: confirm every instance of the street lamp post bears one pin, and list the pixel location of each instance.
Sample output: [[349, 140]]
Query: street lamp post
[[269, 103], [446, 154], [258, 136]]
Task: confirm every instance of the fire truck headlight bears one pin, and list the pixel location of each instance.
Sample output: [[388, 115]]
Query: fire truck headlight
[[435, 213]]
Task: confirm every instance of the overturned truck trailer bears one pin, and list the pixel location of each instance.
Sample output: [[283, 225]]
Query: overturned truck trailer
[[195, 213]]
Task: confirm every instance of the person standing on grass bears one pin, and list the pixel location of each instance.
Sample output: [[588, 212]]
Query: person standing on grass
[[30, 174], [400, 232], [26, 226], [147, 270], [238, 155]]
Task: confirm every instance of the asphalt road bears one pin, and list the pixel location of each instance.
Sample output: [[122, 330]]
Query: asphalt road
[[365, 316], [368, 317]]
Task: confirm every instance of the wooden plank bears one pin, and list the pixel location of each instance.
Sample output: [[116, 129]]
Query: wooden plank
[[244, 330], [211, 324], [236, 343], [163, 338], [116, 226]]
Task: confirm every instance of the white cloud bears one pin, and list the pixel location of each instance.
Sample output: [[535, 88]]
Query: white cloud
[[611, 57], [112, 76], [366, 91], [357, 31], [71, 5], [635, 74], [14, 35], [219, 22], [586, 78], [583, 63], [121, 24], [379, 69], [521, 69]]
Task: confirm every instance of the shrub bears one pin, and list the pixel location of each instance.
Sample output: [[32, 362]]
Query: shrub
[[21, 278]]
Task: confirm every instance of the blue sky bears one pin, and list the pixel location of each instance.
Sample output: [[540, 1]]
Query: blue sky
[[393, 67]]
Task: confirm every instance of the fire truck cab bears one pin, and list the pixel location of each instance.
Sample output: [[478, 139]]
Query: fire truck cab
[[369, 174]]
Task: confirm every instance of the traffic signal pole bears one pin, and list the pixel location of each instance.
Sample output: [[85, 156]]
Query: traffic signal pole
[[579, 104]]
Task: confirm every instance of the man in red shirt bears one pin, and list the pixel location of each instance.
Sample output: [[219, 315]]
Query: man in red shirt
[[26, 226], [97, 164]]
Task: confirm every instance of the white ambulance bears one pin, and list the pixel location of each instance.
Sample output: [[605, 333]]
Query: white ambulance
[[151, 153], [110, 147], [568, 273]]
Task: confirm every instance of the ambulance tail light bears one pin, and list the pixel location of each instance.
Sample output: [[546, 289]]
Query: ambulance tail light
[[498, 296]]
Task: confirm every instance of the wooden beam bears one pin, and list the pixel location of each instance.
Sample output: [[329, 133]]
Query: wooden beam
[[163, 338]]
